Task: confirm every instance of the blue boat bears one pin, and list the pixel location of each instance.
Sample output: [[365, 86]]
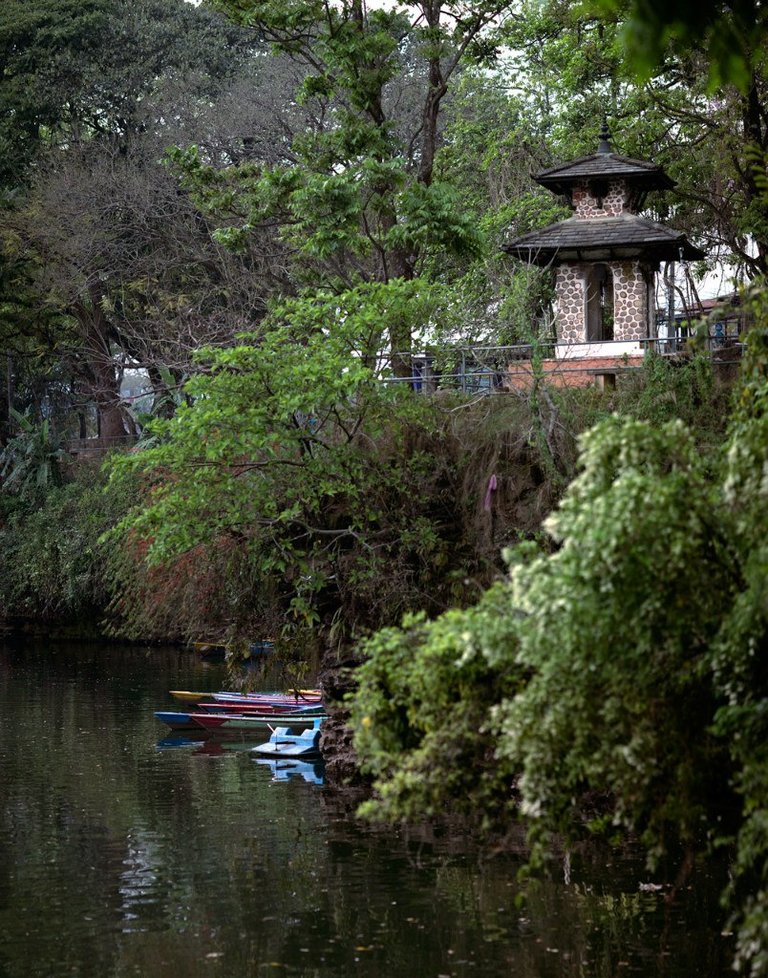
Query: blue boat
[[287, 742], [177, 721]]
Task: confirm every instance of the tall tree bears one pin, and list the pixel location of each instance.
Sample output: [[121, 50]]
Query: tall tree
[[359, 200], [101, 252]]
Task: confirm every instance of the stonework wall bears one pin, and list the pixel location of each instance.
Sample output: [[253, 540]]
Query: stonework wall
[[586, 204], [630, 301], [571, 305]]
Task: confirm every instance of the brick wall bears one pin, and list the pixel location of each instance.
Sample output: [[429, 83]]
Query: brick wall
[[581, 372]]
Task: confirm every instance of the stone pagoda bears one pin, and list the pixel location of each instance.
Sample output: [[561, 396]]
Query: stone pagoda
[[606, 255]]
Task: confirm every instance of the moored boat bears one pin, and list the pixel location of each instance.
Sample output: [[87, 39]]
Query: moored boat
[[297, 695], [292, 696], [269, 721], [288, 742], [267, 707], [215, 722], [176, 720]]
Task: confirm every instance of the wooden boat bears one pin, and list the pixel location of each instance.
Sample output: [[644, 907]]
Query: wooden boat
[[265, 717], [177, 721], [293, 696], [266, 707], [216, 722], [189, 696], [299, 695], [287, 742]]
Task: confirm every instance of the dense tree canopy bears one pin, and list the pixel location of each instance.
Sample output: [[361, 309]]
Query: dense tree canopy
[[100, 252]]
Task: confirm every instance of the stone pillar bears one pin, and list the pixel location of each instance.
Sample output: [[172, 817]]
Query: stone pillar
[[630, 301], [571, 304]]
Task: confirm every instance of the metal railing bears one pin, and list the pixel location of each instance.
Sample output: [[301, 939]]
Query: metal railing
[[493, 369]]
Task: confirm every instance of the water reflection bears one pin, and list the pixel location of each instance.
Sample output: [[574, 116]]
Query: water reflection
[[123, 852], [283, 770]]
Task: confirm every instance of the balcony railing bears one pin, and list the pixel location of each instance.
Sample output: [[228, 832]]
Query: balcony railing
[[481, 370]]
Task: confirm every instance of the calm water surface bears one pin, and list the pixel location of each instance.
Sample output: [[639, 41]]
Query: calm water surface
[[121, 855]]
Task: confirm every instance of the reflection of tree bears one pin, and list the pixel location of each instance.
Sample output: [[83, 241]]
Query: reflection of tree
[[190, 862]]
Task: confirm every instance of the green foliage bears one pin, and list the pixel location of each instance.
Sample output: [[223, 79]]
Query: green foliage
[[616, 632], [357, 196], [54, 563], [43, 46], [686, 389], [731, 35], [75, 69], [31, 461], [293, 453], [740, 654], [421, 713], [637, 644]]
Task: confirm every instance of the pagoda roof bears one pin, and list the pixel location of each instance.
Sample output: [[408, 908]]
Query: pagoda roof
[[602, 238], [604, 166]]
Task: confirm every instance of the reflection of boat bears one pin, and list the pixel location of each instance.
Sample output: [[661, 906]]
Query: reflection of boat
[[169, 743], [288, 742], [284, 770], [215, 746], [205, 745]]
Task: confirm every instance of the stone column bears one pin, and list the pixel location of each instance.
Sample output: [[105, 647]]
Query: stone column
[[630, 301], [571, 304]]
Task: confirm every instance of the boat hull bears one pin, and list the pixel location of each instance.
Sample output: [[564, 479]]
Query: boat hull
[[256, 709], [223, 722], [176, 720], [299, 696]]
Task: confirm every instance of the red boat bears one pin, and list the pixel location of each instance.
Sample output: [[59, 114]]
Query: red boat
[[297, 720]]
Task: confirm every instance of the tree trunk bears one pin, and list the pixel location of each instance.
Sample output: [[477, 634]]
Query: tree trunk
[[756, 139], [98, 374]]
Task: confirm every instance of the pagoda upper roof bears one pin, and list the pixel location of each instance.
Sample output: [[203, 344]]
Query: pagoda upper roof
[[604, 166], [603, 238]]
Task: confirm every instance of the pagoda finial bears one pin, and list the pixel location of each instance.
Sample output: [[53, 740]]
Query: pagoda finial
[[604, 146]]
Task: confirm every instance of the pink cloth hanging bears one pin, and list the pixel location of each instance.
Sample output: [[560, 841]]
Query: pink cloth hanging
[[492, 483]]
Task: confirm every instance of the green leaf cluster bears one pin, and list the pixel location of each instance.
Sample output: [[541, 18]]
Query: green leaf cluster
[[422, 713], [291, 450], [31, 460], [54, 563]]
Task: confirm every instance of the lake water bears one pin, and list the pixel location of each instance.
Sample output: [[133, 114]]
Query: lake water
[[121, 855]]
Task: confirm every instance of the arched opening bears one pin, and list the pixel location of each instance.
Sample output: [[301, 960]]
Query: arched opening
[[599, 304]]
